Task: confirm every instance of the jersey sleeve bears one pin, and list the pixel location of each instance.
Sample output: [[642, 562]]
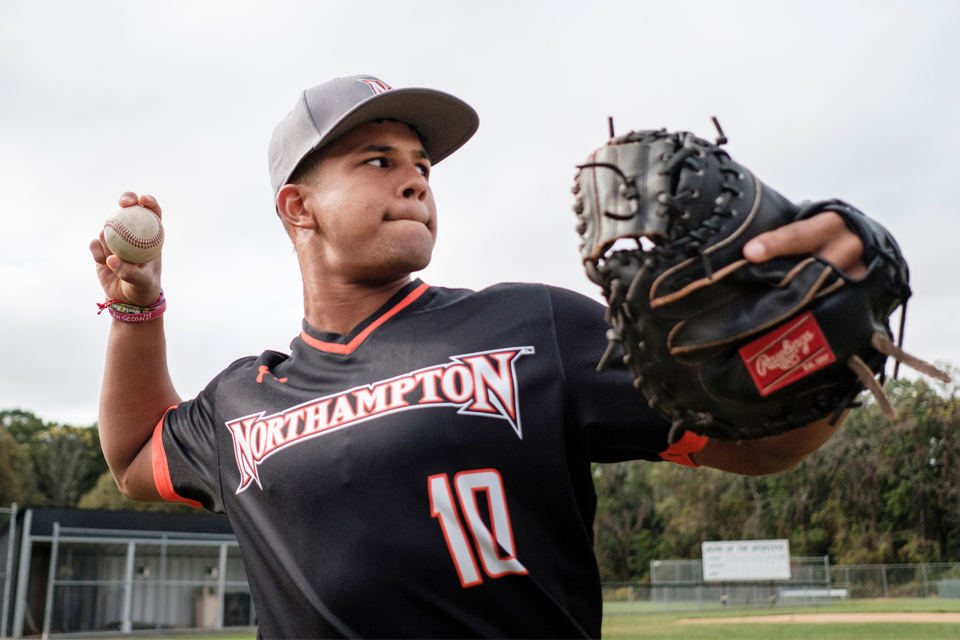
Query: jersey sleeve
[[186, 460], [607, 413]]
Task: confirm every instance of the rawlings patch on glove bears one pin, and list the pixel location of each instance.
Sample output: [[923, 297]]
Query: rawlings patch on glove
[[718, 345]]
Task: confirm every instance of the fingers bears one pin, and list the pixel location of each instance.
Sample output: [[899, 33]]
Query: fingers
[[129, 199], [804, 236], [151, 203], [824, 234], [137, 284], [125, 271], [846, 251], [99, 250]]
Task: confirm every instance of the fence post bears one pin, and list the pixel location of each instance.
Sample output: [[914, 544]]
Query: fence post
[[162, 584], [221, 584], [846, 572], [630, 598], [23, 574], [883, 570], [826, 579], [926, 587], [51, 577], [7, 575], [126, 624]]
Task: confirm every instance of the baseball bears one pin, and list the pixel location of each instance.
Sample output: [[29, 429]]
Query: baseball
[[134, 234]]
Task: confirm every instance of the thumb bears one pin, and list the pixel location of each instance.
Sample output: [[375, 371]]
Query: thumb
[[131, 273]]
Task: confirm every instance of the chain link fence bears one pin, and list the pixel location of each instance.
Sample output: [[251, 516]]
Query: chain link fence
[[102, 580], [678, 585], [931, 580]]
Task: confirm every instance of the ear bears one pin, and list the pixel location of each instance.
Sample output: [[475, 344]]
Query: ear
[[292, 207]]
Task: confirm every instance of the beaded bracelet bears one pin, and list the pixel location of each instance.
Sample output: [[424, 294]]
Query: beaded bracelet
[[125, 312]]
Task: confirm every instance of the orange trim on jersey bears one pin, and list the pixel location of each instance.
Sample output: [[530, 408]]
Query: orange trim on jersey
[[680, 450], [347, 349], [161, 472]]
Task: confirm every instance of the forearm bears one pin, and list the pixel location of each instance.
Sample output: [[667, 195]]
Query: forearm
[[764, 456], [136, 391]]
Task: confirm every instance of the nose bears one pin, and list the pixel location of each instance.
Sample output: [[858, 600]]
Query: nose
[[414, 184]]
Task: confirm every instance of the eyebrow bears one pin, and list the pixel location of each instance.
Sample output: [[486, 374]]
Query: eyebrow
[[378, 148]]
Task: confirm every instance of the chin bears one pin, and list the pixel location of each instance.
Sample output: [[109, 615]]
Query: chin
[[392, 266], [395, 256], [413, 255], [412, 264]]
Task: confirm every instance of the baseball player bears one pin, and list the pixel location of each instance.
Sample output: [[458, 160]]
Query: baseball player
[[419, 463]]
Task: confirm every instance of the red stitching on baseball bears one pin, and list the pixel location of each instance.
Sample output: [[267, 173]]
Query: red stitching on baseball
[[139, 243]]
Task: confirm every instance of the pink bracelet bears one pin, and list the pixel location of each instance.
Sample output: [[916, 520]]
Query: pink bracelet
[[125, 312]]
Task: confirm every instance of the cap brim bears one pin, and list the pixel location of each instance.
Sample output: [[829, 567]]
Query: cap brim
[[444, 122]]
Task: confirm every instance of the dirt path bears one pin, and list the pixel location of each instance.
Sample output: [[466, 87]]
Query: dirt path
[[832, 618]]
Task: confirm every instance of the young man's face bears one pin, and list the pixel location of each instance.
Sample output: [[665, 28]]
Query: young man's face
[[376, 217]]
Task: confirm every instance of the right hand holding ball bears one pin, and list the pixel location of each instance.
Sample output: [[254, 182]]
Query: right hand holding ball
[[127, 251]]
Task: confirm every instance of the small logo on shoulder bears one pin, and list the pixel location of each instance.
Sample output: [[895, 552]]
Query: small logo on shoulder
[[264, 370], [788, 353]]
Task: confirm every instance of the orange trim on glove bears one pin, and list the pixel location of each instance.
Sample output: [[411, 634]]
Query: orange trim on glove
[[680, 450], [161, 472]]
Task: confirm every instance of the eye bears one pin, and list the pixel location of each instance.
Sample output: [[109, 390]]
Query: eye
[[424, 170], [377, 162]]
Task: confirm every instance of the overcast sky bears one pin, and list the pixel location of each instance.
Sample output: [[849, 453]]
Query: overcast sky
[[857, 100]]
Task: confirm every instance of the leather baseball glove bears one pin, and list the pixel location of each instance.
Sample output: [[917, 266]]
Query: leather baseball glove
[[720, 346]]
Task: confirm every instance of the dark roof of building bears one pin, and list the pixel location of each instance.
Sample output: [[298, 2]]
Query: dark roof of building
[[44, 517]]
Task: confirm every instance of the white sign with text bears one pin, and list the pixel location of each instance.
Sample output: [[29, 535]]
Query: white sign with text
[[746, 560]]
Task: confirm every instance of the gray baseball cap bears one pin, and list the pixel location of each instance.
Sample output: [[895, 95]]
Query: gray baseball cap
[[329, 110]]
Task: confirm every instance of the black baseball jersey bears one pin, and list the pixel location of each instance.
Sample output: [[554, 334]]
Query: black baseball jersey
[[427, 475]]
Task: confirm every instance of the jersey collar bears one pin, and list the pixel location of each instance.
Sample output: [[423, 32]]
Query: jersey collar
[[345, 344]]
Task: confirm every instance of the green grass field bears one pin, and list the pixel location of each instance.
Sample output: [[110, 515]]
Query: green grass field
[[657, 625], [666, 626]]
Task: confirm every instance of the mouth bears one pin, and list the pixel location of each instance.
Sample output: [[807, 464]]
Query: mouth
[[410, 216]]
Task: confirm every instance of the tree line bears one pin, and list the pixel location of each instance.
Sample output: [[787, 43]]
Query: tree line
[[879, 491], [57, 465]]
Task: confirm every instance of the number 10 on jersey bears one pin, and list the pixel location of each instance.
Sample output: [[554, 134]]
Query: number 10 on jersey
[[496, 550]]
